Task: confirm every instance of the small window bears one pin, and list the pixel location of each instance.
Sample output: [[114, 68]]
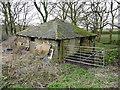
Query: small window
[[32, 39]]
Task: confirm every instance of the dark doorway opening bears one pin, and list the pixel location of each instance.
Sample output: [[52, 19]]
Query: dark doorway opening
[[32, 39]]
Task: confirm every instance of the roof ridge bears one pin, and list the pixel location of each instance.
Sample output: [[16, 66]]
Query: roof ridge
[[56, 29]]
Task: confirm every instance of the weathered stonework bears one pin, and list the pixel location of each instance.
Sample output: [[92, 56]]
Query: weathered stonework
[[56, 34], [41, 47]]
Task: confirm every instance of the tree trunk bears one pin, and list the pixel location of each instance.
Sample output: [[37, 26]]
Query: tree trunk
[[10, 16], [111, 30], [100, 33], [6, 25]]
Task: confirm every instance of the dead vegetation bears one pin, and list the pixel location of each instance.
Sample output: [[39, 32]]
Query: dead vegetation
[[30, 71], [23, 67]]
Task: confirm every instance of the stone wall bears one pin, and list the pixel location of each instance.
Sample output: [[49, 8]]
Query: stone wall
[[23, 41], [70, 45], [42, 46]]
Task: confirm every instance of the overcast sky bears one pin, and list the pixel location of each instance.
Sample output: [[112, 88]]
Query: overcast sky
[[36, 18], [50, 17]]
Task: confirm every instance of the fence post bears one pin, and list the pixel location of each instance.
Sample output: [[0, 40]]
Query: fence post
[[103, 56]]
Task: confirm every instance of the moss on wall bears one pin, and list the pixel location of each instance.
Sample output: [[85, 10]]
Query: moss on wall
[[82, 32], [60, 47]]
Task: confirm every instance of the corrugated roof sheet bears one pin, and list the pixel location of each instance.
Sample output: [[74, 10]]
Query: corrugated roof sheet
[[55, 29]]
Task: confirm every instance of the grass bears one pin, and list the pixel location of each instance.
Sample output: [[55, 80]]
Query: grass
[[110, 55], [105, 38], [115, 31], [81, 78], [65, 75], [75, 77], [107, 46]]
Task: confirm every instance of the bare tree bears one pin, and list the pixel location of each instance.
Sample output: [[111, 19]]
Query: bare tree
[[5, 15], [117, 1], [85, 18], [62, 10], [44, 8], [113, 12], [26, 15], [45, 5], [13, 12], [11, 20], [112, 20], [103, 18], [118, 13], [75, 10], [96, 16]]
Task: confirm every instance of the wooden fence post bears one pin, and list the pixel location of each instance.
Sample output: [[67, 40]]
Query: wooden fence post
[[61, 50], [103, 52]]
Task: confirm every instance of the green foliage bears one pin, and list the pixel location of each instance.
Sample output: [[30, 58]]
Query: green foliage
[[83, 32], [111, 52], [115, 31], [105, 38], [20, 87], [85, 42], [110, 55], [81, 78], [106, 46], [76, 79], [67, 66], [4, 84], [3, 81]]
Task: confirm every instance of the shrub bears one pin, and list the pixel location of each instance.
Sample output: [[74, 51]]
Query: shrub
[[110, 55]]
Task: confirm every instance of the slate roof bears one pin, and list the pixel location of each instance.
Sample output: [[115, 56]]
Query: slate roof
[[55, 29]]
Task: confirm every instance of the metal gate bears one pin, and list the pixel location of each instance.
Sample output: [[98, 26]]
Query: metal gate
[[93, 56]]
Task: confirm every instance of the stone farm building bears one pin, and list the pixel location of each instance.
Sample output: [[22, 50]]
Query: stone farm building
[[56, 34]]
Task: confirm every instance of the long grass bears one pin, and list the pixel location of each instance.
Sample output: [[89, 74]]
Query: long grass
[[81, 78]]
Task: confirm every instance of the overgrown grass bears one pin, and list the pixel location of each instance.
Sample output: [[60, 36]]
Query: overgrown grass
[[81, 78], [75, 77], [111, 52], [63, 76]]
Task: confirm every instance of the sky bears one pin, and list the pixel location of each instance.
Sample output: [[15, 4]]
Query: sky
[[36, 19]]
